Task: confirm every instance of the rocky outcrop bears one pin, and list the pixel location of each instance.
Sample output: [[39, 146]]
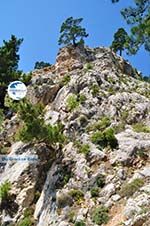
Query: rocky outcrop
[[104, 108]]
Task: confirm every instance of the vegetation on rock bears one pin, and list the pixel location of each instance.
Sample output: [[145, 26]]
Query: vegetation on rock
[[34, 127], [105, 138], [41, 65], [71, 31], [137, 16], [80, 223], [140, 127], [121, 41], [129, 189], [1, 118], [100, 215], [4, 191]]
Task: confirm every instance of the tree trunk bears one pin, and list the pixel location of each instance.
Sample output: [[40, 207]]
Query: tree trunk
[[120, 52], [74, 42], [2, 96]]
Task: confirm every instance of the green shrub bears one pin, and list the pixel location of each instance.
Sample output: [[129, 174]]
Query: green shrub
[[94, 192], [65, 80], [124, 115], [95, 90], [88, 67], [99, 139], [71, 216], [110, 138], [26, 222], [85, 149], [100, 181], [34, 127], [1, 119], [72, 102], [105, 138], [77, 195], [4, 150], [140, 127], [28, 218], [100, 215], [111, 91], [66, 179], [28, 212], [130, 188], [111, 80], [80, 223], [26, 78], [77, 143], [82, 98], [4, 190], [101, 124]]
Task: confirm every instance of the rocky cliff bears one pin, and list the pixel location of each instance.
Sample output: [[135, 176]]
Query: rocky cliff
[[101, 174]]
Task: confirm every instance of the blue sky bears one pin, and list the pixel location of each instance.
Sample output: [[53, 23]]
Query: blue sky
[[39, 21]]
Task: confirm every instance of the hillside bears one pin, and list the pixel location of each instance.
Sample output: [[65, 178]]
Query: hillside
[[100, 175]]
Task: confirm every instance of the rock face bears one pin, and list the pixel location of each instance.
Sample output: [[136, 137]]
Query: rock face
[[95, 94], [42, 89]]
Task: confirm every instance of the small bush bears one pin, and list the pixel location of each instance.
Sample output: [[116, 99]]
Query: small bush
[[100, 215], [65, 80], [95, 90], [28, 218], [66, 179], [80, 223], [34, 127], [105, 138], [140, 127], [110, 138], [28, 212], [130, 188], [94, 192], [85, 149], [72, 102], [77, 195], [71, 216], [4, 150], [100, 181], [4, 190], [99, 139], [124, 115], [82, 98], [111, 91], [1, 119], [102, 124], [26, 78], [88, 67], [26, 222]]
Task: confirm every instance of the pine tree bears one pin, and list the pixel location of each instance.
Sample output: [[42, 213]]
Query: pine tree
[[138, 17], [72, 32], [41, 64], [9, 59], [120, 42]]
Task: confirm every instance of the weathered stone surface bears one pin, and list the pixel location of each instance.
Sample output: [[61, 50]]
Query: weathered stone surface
[[129, 144], [105, 85]]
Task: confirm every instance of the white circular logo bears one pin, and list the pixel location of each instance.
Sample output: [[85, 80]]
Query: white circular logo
[[17, 90]]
